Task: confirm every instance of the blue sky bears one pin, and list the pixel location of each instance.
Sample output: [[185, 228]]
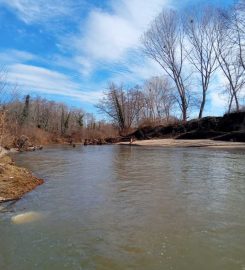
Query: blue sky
[[68, 50]]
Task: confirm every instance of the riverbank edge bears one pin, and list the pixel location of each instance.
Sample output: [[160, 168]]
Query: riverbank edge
[[15, 181], [172, 143]]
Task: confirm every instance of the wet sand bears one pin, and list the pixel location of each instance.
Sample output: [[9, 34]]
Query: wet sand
[[188, 143]]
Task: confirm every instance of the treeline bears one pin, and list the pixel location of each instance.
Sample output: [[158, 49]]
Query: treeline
[[151, 104], [196, 49], [200, 51], [44, 121]]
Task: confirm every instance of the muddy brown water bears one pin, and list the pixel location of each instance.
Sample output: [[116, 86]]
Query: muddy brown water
[[120, 207]]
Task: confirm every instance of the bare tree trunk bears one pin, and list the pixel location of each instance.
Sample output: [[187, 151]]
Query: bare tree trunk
[[199, 28], [237, 103], [164, 43], [202, 105], [184, 110], [230, 104]]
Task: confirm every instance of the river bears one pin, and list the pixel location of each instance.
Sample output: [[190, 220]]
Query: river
[[121, 207]]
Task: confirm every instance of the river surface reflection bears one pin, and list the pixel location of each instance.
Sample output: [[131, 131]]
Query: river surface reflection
[[120, 207]]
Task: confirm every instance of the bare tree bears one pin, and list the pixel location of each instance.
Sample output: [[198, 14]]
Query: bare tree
[[121, 106], [134, 105], [113, 105], [3, 84], [7, 91], [159, 99], [164, 42], [229, 60], [79, 117], [26, 110], [199, 28], [64, 119], [90, 121], [238, 23], [2, 125]]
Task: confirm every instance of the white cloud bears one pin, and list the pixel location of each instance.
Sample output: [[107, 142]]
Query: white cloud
[[83, 65], [10, 56], [107, 40], [219, 102], [108, 36], [40, 10], [44, 81], [111, 37], [105, 37], [139, 13]]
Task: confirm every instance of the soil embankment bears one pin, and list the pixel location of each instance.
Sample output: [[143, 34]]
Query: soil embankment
[[15, 181], [230, 127]]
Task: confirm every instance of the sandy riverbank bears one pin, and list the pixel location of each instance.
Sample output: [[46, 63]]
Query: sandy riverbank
[[187, 143], [15, 181]]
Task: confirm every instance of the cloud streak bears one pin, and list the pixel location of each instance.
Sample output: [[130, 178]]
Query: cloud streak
[[9, 56], [33, 11], [44, 81]]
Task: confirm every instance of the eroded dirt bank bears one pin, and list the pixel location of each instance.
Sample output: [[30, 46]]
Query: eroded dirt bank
[[230, 128], [15, 181]]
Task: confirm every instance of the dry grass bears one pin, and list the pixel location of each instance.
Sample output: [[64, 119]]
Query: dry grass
[[15, 181], [36, 135], [161, 122]]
